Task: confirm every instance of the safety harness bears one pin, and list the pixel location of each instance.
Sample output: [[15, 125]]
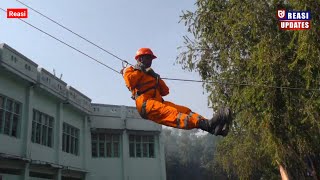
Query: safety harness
[[138, 93], [153, 74], [135, 95]]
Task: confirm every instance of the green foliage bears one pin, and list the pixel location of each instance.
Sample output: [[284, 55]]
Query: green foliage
[[239, 44]]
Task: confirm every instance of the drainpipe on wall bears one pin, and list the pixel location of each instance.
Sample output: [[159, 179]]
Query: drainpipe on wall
[[124, 142], [58, 130], [26, 121]]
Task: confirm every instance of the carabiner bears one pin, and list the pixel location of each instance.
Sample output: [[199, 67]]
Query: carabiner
[[124, 64]]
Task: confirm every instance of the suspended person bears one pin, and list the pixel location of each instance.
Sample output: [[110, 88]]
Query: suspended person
[[147, 90]]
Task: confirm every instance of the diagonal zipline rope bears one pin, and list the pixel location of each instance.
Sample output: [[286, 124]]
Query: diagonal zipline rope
[[66, 44], [124, 61], [73, 32]]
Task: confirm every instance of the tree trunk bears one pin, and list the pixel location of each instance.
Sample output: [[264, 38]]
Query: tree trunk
[[283, 172]]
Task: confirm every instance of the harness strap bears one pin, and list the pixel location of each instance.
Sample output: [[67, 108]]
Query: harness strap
[[143, 84], [178, 120], [143, 112], [186, 120], [138, 93]]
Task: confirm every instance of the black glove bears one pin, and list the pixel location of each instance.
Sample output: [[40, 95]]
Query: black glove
[[151, 72], [121, 71]]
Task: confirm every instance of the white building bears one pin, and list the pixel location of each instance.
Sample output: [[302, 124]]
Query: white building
[[49, 130]]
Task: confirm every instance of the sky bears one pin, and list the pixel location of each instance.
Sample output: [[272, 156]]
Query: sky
[[121, 27]]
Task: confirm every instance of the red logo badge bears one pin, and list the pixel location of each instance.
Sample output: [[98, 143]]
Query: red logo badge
[[17, 13], [281, 13]]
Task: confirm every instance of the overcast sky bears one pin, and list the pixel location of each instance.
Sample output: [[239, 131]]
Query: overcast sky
[[120, 26]]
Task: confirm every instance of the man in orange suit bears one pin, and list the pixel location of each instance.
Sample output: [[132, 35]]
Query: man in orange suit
[[147, 90]]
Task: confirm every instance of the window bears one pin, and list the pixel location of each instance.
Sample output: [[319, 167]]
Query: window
[[42, 129], [10, 114], [37, 175], [105, 145], [141, 146], [70, 139]]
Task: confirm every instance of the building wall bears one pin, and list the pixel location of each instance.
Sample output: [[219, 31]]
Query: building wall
[[44, 103], [149, 168], [9, 177], [106, 168], [74, 119], [37, 89], [127, 119], [13, 88]]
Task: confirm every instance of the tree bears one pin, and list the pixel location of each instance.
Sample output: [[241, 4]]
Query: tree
[[190, 156], [247, 63]]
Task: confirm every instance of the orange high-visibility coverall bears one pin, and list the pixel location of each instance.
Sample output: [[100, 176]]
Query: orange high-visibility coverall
[[150, 104]]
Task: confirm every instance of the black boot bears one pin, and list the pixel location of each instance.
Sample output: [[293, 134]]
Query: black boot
[[225, 130], [219, 124], [222, 120], [206, 125]]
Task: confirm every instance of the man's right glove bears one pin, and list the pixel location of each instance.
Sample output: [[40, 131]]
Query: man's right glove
[[122, 70]]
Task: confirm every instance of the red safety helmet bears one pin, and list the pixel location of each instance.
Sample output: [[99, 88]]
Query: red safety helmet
[[144, 51]]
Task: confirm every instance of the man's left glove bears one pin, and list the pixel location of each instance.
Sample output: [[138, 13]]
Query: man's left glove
[[151, 72]]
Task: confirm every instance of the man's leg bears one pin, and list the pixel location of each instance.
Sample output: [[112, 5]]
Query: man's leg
[[181, 117], [218, 125], [181, 109], [170, 114]]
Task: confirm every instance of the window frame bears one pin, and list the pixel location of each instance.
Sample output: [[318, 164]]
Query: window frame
[[14, 120], [140, 145], [70, 136], [42, 123], [111, 143]]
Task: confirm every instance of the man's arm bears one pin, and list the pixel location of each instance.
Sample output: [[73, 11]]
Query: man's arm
[[131, 77], [164, 90]]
